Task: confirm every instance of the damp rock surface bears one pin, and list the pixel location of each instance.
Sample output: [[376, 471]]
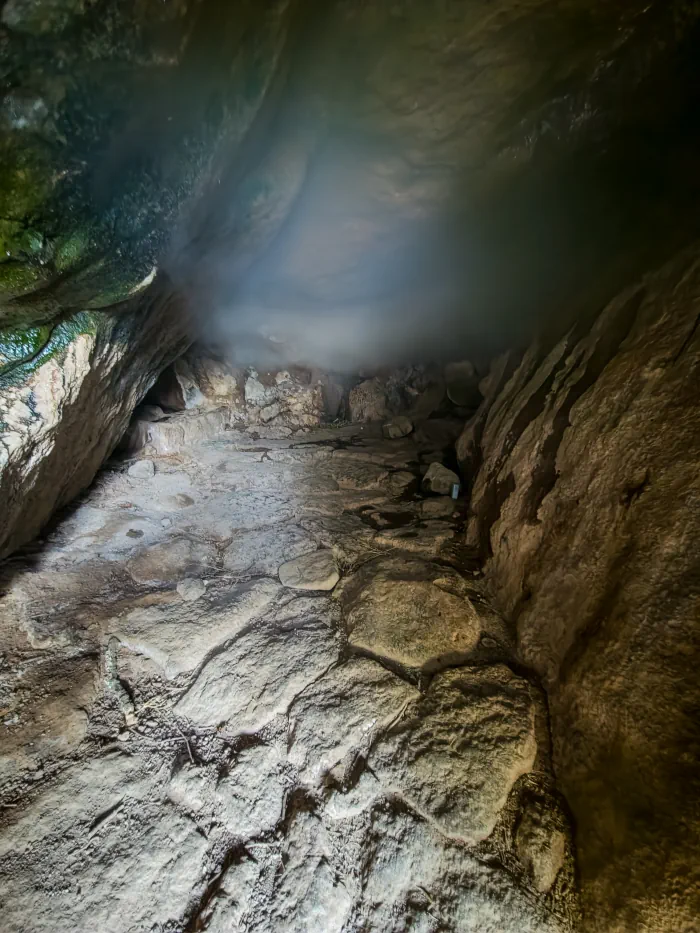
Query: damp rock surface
[[197, 740]]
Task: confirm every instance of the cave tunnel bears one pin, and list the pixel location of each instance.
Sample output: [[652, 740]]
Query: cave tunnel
[[349, 472]]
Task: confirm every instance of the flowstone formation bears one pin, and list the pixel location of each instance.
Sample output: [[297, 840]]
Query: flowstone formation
[[251, 687]]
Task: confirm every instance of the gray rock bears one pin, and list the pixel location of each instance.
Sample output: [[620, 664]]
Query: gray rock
[[314, 571], [397, 427], [336, 721], [191, 589], [172, 560], [458, 751], [439, 479], [142, 469], [179, 637], [263, 553], [256, 679]]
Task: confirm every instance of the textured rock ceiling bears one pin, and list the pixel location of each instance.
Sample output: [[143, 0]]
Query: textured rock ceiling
[[361, 164]]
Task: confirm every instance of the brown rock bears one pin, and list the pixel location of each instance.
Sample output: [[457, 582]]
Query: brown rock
[[587, 503]]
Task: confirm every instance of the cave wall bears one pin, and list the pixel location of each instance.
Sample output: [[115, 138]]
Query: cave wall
[[586, 505], [63, 412]]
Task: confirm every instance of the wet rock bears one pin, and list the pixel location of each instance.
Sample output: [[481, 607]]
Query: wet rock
[[191, 589], [398, 427], [439, 479], [314, 571], [403, 609], [142, 469]]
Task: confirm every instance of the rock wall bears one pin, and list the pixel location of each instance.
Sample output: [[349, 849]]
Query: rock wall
[[586, 506], [63, 412]]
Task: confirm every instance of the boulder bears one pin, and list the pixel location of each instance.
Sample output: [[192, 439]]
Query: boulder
[[439, 479], [413, 613], [314, 571]]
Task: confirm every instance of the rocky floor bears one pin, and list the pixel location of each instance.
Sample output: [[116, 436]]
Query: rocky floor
[[254, 685]]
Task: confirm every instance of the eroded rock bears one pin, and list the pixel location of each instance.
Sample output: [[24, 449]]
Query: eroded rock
[[314, 571], [439, 479], [414, 613]]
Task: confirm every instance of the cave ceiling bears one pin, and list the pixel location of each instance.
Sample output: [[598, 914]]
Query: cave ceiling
[[394, 167]]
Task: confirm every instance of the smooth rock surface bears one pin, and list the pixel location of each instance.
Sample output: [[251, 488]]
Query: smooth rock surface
[[314, 571], [414, 613]]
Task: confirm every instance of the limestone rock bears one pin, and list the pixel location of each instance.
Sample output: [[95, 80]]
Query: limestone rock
[[337, 720], [414, 614], [191, 589], [142, 469], [438, 508], [171, 561], [251, 795], [397, 427], [589, 465], [85, 822], [178, 636], [290, 398], [439, 479], [368, 401], [50, 457], [174, 432], [456, 753], [314, 571], [242, 688], [263, 553]]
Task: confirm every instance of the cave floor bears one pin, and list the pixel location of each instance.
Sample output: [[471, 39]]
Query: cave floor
[[255, 685]]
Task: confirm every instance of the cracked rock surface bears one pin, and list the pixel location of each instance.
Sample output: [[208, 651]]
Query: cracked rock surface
[[264, 757]]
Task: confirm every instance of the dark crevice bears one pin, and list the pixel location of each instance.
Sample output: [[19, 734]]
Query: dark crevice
[[688, 340]]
